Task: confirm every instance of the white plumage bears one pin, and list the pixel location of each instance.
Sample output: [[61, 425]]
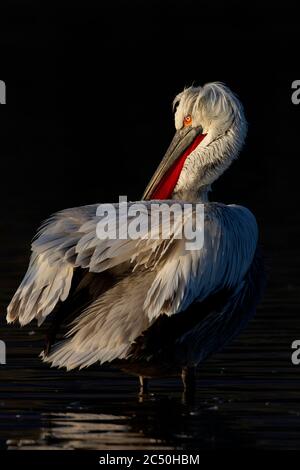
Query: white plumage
[[151, 278]]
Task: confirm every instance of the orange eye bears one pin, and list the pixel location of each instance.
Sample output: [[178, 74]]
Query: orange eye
[[187, 120]]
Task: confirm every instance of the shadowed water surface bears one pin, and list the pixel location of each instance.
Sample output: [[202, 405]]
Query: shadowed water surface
[[76, 134], [248, 395]]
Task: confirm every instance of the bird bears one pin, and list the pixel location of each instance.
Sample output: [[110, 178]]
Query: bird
[[151, 306]]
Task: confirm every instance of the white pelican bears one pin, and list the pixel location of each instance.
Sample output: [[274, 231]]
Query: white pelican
[[153, 309]]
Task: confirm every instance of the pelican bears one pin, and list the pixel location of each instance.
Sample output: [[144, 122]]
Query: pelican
[[149, 306]]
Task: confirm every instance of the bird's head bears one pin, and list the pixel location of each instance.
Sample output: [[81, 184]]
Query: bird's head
[[210, 131]]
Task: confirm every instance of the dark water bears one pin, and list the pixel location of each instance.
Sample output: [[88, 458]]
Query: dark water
[[62, 146], [247, 396]]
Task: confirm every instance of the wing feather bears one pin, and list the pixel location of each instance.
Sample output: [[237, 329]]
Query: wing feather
[[165, 278]]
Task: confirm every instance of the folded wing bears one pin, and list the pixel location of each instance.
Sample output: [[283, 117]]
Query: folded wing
[[156, 274]]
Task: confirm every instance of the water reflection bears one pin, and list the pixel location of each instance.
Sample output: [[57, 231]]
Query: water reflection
[[155, 422], [247, 396], [76, 431]]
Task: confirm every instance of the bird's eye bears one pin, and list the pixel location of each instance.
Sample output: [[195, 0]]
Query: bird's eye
[[187, 120]]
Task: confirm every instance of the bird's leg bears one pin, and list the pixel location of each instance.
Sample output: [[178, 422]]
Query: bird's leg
[[50, 338], [143, 384], [188, 377]]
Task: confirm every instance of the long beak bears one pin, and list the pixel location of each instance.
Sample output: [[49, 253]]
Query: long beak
[[181, 141]]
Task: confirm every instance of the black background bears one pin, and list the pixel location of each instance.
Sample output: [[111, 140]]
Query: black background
[[89, 93], [88, 117]]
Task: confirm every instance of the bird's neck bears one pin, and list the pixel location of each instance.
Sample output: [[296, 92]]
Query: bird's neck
[[189, 195], [218, 151]]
